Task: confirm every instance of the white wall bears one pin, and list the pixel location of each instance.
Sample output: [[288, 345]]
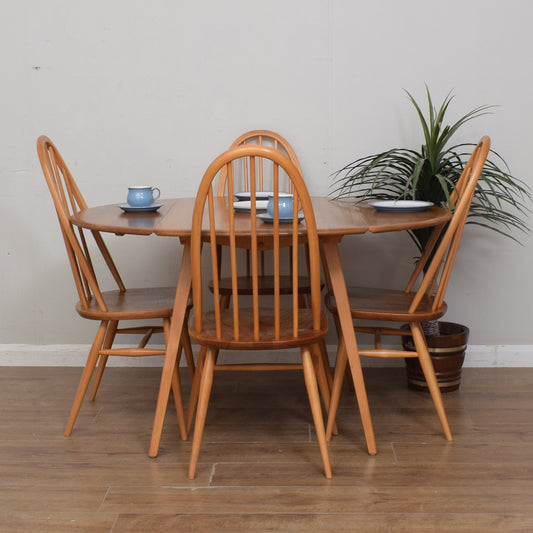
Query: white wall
[[134, 91]]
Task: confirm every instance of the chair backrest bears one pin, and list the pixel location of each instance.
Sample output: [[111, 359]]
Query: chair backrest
[[68, 200], [215, 221], [267, 138], [440, 253]]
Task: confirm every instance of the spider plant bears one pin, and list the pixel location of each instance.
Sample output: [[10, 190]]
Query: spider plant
[[500, 202]]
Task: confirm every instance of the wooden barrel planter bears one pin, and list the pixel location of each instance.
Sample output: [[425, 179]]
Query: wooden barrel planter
[[447, 351]]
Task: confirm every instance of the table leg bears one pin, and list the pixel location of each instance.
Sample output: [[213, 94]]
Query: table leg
[[334, 274], [176, 325]]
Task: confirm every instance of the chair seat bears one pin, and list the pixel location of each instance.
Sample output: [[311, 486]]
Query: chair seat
[[386, 304], [306, 334], [265, 285], [154, 302]]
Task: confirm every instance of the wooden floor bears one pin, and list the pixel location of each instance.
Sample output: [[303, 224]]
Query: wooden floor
[[260, 467]]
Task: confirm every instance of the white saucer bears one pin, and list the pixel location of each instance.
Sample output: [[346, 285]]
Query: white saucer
[[405, 206], [246, 206], [269, 219], [259, 195], [131, 209]]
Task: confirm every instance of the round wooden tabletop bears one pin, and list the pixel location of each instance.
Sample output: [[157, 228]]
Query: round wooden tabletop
[[333, 218]]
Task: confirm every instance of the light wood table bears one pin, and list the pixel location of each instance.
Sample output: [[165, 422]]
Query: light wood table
[[334, 220]]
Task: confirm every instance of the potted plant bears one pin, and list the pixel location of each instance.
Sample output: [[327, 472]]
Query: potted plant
[[500, 204]]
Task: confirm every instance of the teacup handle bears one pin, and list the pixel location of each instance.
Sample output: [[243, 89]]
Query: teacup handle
[[154, 189]]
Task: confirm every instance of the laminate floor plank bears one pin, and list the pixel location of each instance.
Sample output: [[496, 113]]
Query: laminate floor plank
[[324, 499], [377, 474], [52, 498], [326, 523], [96, 475], [481, 453], [55, 522]]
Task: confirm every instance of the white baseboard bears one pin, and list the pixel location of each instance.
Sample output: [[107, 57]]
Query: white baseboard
[[76, 355]]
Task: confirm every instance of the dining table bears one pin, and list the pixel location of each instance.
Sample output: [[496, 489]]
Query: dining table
[[335, 219]]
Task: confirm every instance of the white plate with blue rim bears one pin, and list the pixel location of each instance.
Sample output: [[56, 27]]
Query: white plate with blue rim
[[402, 206], [259, 195], [269, 219], [246, 206]]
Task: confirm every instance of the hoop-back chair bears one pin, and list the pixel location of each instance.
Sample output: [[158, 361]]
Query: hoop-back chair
[[268, 322], [107, 307], [413, 305], [266, 138], [264, 179]]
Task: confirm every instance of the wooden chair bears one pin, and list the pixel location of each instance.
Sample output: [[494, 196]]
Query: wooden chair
[[267, 138], [258, 325], [109, 307], [263, 180], [413, 305]]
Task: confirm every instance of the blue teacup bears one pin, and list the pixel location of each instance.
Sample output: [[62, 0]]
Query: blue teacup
[[285, 205], [142, 195]]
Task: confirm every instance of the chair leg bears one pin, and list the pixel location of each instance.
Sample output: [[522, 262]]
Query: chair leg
[[325, 380], [329, 377], [195, 387], [340, 369], [314, 402], [86, 376], [201, 410], [224, 301], [325, 362], [320, 371], [108, 342], [429, 373], [102, 362], [176, 387], [178, 402], [347, 372], [323, 375], [187, 348]]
